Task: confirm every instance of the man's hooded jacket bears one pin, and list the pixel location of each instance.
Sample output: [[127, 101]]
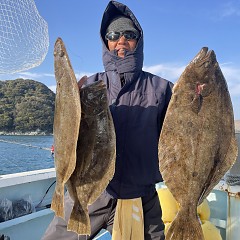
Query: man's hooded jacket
[[138, 108]]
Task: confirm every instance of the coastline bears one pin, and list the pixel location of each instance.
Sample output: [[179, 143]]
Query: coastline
[[32, 133]]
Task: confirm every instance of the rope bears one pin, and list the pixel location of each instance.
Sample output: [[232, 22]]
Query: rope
[[39, 204], [26, 145]]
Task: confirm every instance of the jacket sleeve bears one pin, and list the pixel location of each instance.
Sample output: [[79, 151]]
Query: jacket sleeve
[[168, 95]]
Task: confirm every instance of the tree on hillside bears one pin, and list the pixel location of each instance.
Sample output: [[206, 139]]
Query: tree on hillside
[[26, 105]]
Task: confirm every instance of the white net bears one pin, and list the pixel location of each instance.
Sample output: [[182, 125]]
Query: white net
[[24, 37], [232, 179]]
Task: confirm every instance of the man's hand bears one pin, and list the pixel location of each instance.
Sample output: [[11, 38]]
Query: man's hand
[[82, 81]]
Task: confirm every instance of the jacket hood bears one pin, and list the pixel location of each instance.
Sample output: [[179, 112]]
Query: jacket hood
[[133, 60]]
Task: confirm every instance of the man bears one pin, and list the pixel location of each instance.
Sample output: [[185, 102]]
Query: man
[[138, 101]]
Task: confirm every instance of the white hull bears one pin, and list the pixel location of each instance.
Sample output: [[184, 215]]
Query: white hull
[[35, 184], [17, 186]]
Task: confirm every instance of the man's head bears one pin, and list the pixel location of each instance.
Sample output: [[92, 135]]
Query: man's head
[[122, 35]]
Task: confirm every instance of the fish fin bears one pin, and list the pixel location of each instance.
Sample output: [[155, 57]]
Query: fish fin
[[57, 204], [79, 221], [185, 227], [230, 158]]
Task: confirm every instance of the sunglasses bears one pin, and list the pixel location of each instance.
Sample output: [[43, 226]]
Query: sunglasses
[[114, 36]]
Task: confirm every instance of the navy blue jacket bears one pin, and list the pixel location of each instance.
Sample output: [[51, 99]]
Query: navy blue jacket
[[138, 109]]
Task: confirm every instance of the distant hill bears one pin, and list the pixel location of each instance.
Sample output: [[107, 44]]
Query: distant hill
[[26, 106]]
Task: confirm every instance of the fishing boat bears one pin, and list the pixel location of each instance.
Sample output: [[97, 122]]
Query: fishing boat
[[38, 186]]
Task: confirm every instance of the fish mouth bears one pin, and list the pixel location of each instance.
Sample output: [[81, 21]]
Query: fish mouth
[[204, 56], [205, 53], [59, 48]]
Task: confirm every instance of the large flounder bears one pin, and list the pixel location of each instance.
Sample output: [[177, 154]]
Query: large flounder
[[96, 152], [66, 123], [197, 144]]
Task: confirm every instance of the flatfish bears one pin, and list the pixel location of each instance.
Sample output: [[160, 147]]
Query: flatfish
[[67, 117], [197, 144], [96, 152]]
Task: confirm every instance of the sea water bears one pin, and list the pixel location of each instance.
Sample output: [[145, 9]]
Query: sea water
[[25, 153]]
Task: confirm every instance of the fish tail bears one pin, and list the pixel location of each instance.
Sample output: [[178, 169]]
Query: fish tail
[[185, 226], [57, 204], [79, 221]]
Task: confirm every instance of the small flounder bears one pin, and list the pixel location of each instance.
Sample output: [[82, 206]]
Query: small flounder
[[67, 117], [96, 152]]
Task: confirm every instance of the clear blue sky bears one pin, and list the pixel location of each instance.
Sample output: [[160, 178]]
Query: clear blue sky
[[174, 31]]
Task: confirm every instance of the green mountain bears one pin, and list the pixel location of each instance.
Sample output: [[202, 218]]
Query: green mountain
[[26, 106]]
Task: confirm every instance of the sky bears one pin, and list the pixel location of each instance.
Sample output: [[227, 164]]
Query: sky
[[174, 32]]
